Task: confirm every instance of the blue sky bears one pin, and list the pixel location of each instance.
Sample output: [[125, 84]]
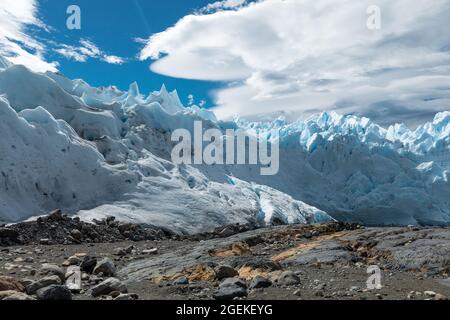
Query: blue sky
[[112, 25]]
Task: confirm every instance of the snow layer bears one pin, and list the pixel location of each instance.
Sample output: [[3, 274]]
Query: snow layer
[[4, 63], [358, 171], [44, 164], [98, 152]]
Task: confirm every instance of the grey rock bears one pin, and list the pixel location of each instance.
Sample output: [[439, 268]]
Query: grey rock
[[319, 293], [445, 282], [42, 283], [328, 252], [126, 297], [105, 266], [409, 249], [73, 279], [150, 251], [121, 252], [56, 215], [181, 281], [108, 286], [72, 261], [125, 227], [230, 293], [230, 289], [29, 259], [260, 282], [45, 241], [439, 296], [10, 283], [223, 272], [430, 293], [51, 269], [18, 296], [95, 279], [234, 282], [76, 234], [288, 278], [26, 282], [88, 264], [54, 292]]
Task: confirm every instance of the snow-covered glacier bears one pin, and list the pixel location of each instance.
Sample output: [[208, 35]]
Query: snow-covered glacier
[[358, 171], [100, 152]]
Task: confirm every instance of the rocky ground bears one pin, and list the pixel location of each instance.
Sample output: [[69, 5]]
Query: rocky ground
[[58, 257]]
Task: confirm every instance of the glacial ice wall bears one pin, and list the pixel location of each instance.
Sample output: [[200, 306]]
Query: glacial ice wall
[[102, 151], [358, 171]]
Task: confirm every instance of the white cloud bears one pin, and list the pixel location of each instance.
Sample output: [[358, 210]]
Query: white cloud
[[15, 44], [304, 56], [222, 5], [20, 48], [113, 59], [87, 49], [72, 53]]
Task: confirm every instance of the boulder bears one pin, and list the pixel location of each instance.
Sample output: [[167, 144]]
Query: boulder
[[12, 295], [88, 264], [121, 252], [181, 281], [108, 286], [54, 293], [126, 297], [150, 251], [51, 269], [260, 282], [76, 234], [231, 288], [223, 272], [10, 283], [73, 279], [72, 261], [288, 278], [105, 266], [42, 283], [56, 215]]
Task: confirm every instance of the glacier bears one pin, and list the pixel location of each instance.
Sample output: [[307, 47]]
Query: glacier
[[98, 152], [359, 171]]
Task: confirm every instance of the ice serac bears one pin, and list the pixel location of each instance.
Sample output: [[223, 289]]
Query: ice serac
[[89, 122], [98, 152], [44, 165], [358, 171], [4, 63]]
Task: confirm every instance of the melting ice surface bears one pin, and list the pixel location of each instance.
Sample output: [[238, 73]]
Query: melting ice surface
[[100, 152]]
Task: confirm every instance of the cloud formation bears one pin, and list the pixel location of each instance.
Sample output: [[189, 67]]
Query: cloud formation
[[222, 5], [87, 49], [18, 47], [305, 56]]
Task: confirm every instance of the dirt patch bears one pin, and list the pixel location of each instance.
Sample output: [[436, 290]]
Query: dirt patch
[[306, 247], [236, 249]]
